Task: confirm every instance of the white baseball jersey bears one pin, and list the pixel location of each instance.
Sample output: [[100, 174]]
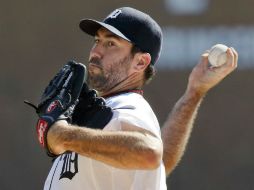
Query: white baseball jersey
[[71, 171]]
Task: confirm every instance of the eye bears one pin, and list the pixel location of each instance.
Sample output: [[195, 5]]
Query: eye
[[110, 44], [96, 40]]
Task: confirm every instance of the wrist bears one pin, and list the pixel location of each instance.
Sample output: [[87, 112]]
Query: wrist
[[194, 95], [55, 137]]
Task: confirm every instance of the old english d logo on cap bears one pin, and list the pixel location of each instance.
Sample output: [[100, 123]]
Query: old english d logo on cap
[[115, 13]]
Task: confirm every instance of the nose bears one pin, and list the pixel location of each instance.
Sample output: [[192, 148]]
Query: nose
[[96, 51]]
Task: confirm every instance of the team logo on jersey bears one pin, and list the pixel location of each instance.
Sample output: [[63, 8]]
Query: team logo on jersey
[[115, 13], [70, 165], [52, 106]]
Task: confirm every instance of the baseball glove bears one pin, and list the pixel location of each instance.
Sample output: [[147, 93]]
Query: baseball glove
[[91, 110], [59, 99]]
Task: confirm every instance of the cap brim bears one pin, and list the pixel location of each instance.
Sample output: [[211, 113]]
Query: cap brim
[[90, 27]]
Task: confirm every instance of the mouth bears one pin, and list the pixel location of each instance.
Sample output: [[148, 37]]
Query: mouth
[[94, 65]]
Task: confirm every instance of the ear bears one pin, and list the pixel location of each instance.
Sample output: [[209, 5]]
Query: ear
[[143, 60]]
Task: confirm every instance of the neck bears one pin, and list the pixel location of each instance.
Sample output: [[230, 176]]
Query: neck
[[132, 82]]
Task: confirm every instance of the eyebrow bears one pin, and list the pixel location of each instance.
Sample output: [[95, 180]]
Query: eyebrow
[[110, 35]]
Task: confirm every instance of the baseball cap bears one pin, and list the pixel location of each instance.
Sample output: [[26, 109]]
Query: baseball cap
[[132, 25]]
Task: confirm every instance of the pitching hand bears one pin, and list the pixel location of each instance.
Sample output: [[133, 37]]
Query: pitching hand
[[203, 77]]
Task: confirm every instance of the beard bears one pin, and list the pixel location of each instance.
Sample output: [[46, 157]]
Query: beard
[[111, 76]]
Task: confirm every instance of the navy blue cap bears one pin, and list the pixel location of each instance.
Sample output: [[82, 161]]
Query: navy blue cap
[[132, 25]]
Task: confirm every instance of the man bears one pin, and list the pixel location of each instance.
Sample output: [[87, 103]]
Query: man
[[127, 153]]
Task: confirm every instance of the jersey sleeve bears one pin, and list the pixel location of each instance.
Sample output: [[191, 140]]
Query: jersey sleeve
[[134, 116]]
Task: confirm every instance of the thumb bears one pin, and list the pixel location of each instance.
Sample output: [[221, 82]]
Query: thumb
[[204, 60]]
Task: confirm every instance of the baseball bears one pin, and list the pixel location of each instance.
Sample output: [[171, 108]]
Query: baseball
[[217, 55]]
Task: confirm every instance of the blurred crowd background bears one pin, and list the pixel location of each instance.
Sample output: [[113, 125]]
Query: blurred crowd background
[[38, 37]]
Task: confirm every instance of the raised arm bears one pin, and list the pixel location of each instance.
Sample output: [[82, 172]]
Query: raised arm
[[131, 148], [178, 126]]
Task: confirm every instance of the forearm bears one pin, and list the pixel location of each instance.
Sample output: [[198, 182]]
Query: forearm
[[177, 128], [122, 149]]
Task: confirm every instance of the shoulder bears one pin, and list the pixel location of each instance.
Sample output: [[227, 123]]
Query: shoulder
[[133, 108], [126, 100]]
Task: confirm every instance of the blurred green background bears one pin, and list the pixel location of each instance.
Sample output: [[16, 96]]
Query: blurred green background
[[38, 37]]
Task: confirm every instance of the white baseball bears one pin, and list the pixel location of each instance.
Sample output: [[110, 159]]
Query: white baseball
[[217, 55]]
